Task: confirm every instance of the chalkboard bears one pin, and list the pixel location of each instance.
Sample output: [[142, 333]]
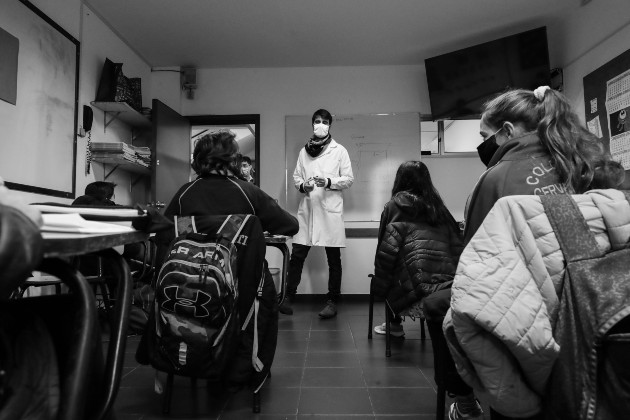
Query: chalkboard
[[39, 125], [377, 145], [607, 108]]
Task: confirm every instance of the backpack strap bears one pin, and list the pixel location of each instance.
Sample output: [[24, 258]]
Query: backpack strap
[[232, 226], [256, 362], [577, 242], [184, 224]]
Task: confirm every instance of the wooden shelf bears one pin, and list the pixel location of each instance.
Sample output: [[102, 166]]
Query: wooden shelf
[[123, 164], [123, 112]]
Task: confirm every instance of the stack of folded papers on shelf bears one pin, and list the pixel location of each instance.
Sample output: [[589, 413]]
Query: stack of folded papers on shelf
[[132, 154], [74, 223]]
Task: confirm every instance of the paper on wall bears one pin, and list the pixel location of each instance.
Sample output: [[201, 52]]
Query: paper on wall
[[618, 112], [595, 127]]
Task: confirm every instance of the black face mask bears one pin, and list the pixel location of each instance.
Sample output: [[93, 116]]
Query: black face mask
[[487, 149]]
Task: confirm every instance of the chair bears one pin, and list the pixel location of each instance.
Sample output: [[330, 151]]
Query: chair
[[388, 350]]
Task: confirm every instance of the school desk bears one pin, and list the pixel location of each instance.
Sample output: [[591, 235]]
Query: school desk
[[76, 380]]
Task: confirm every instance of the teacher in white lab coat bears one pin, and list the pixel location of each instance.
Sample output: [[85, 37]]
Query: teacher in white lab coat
[[322, 172]]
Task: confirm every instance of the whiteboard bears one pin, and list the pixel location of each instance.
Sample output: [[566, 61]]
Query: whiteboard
[[377, 145]]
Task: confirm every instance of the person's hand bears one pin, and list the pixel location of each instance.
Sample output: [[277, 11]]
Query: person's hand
[[319, 181], [309, 186]]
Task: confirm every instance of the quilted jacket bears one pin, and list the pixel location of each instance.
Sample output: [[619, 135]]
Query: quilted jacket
[[413, 258], [504, 301]]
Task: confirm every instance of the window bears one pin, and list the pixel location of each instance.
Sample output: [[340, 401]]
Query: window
[[447, 137]]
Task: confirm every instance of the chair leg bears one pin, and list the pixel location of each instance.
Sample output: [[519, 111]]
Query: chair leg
[[168, 393], [256, 402], [422, 333], [371, 316], [388, 340]]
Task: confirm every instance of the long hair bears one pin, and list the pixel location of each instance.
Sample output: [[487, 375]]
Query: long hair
[[214, 152], [413, 178], [576, 152]]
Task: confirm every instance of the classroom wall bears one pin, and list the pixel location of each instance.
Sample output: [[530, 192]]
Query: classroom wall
[[98, 41]]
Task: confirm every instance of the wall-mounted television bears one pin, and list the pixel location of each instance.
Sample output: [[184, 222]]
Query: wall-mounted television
[[461, 81]]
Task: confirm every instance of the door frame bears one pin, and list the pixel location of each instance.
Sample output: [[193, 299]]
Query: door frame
[[234, 119]]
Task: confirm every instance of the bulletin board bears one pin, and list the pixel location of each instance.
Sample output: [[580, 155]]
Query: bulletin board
[[38, 128], [377, 144], [607, 108]]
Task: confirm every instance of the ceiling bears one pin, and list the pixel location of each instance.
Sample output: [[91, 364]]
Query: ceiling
[[300, 33]]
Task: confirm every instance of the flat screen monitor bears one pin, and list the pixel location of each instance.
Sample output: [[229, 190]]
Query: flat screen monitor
[[460, 82]]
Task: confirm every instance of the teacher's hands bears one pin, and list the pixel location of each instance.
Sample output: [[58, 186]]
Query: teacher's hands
[[319, 181]]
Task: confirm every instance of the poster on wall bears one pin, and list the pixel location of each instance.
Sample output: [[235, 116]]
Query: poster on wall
[[38, 135], [607, 107]]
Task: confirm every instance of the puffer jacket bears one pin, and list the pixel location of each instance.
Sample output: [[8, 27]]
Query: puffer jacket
[[413, 258], [505, 297]]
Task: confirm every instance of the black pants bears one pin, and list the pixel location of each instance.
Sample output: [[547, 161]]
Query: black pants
[[435, 307], [296, 264]]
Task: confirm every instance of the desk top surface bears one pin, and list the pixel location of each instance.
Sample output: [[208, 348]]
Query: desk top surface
[[70, 244]]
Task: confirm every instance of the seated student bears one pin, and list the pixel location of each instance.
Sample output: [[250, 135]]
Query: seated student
[[99, 193], [540, 148], [418, 245], [218, 191], [247, 169], [21, 247]]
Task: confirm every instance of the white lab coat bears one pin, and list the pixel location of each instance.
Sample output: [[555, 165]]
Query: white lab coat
[[320, 213]]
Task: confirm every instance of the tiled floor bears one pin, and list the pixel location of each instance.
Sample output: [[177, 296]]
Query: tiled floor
[[323, 369]]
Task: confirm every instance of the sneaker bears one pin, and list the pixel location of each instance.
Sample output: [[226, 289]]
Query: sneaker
[[285, 306], [475, 414], [329, 311], [395, 330]]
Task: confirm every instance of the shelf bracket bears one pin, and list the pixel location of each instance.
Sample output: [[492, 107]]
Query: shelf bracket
[[111, 172], [111, 120]]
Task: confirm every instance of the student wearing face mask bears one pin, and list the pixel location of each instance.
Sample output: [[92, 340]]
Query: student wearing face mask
[[322, 172], [534, 144]]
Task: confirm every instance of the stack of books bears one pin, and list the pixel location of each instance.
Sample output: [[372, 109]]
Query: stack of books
[[132, 154]]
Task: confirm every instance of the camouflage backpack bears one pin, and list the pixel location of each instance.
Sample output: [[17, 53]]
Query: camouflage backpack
[[194, 321]]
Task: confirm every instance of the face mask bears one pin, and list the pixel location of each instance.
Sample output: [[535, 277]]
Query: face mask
[[487, 149], [320, 130]]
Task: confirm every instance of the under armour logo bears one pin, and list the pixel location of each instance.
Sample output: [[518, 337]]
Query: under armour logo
[[173, 298]]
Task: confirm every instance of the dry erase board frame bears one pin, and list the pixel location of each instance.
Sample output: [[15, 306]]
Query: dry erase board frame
[[376, 143], [38, 136]]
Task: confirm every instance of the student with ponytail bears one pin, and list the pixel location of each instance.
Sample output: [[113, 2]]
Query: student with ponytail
[[542, 149], [534, 144]]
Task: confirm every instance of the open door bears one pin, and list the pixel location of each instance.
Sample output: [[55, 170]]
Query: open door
[[171, 148]]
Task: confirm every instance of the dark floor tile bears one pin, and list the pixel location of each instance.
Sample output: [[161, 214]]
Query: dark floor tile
[[403, 400], [293, 322], [395, 377], [336, 323], [335, 417], [334, 401], [289, 359], [253, 416], [403, 417], [333, 377], [273, 401], [285, 377], [328, 345], [341, 335], [292, 345], [330, 359], [294, 334]]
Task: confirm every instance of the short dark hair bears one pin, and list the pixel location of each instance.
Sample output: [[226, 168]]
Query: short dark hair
[[101, 190], [247, 159], [323, 114], [214, 151]]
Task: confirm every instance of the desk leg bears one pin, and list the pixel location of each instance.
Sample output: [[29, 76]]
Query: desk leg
[[72, 404], [118, 339], [284, 248]]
